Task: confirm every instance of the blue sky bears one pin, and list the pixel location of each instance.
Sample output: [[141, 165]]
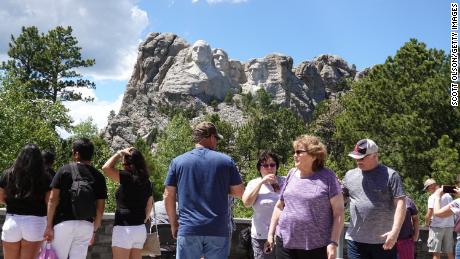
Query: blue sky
[[364, 33]]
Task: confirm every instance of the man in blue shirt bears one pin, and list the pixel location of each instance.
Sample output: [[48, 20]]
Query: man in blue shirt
[[202, 179]]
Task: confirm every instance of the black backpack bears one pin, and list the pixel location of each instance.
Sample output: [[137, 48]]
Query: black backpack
[[82, 195]]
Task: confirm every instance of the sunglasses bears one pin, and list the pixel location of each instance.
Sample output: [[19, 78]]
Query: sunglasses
[[298, 152], [273, 165]]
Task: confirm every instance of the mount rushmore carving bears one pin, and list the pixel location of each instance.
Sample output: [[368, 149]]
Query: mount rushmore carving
[[171, 74]]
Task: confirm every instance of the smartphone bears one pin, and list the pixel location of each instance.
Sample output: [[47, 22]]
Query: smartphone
[[449, 188]]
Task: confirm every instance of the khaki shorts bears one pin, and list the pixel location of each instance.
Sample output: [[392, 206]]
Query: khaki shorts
[[441, 240]]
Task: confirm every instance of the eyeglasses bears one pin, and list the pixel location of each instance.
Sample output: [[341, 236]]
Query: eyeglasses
[[273, 165], [298, 152]]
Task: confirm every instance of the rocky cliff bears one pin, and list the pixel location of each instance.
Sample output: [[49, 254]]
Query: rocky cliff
[[171, 74]]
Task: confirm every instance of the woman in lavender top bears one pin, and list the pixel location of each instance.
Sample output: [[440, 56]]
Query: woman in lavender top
[[262, 193], [308, 217]]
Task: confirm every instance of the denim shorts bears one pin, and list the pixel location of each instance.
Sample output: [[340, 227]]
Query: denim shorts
[[193, 247]]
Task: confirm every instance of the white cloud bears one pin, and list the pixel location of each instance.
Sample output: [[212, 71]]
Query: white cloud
[[108, 31], [98, 110]]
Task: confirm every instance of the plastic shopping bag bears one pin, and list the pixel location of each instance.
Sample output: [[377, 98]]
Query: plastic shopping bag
[[47, 252]]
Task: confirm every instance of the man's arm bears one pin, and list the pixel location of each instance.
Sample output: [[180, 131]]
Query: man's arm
[[400, 213], [169, 198], [428, 216], [100, 206], [52, 204], [237, 190], [416, 224]]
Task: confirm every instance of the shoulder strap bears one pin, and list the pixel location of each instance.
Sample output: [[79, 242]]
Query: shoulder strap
[[290, 173], [74, 170], [154, 214]]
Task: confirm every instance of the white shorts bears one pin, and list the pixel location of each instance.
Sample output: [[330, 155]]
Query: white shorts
[[71, 238], [27, 227], [129, 237]]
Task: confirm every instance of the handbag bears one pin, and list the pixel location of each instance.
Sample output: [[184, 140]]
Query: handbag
[[47, 252], [457, 224], [152, 242]]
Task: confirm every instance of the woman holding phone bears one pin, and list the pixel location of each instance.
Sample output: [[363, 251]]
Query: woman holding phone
[[261, 194], [453, 208]]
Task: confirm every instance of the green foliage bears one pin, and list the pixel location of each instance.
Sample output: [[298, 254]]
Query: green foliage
[[26, 120], [47, 62], [228, 99], [173, 141], [404, 106], [445, 161], [270, 127], [171, 111], [85, 129]]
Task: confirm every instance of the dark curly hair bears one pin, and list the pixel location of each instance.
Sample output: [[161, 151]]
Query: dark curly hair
[[137, 164]]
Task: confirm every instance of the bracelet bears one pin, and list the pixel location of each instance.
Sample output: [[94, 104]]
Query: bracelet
[[332, 242]]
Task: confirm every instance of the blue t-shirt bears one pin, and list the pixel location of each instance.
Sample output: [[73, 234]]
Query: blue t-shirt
[[203, 178]]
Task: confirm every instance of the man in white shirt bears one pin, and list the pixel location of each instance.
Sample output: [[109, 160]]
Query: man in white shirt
[[440, 237]]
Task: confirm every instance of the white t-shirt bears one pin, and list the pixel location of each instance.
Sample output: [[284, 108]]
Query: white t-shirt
[[263, 206], [437, 221]]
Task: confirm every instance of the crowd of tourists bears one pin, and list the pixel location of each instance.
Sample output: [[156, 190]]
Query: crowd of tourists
[[300, 215]]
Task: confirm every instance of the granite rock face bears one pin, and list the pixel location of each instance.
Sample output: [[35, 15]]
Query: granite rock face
[[170, 74]]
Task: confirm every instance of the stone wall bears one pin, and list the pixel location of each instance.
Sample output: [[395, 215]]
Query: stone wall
[[102, 247]]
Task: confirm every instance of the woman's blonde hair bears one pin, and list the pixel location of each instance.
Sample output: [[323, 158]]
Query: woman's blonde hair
[[314, 147]]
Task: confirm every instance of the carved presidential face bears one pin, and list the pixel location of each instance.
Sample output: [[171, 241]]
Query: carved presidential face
[[220, 60], [255, 72], [201, 53]]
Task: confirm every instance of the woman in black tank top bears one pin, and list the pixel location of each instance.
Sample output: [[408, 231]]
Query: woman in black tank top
[[134, 202], [24, 188]]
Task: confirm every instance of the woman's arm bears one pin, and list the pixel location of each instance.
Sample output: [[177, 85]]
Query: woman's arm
[[337, 205], [437, 210], [148, 208], [416, 224], [109, 167], [2, 196], [250, 196], [279, 206]]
